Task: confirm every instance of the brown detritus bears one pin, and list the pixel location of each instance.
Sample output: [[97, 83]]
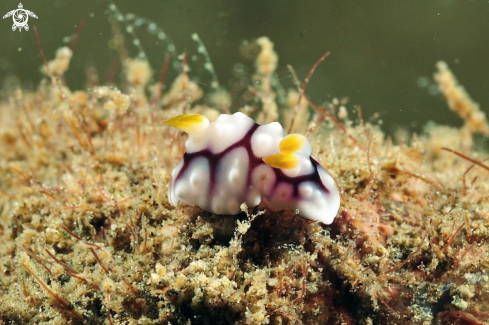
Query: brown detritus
[[70, 232], [131, 227], [43, 56], [467, 251], [7, 194], [302, 90], [54, 82], [379, 296], [334, 120], [161, 86], [66, 305], [305, 269], [469, 230], [464, 188], [400, 265], [360, 120], [461, 155], [424, 179], [452, 238], [107, 302], [69, 269], [77, 34], [474, 180], [97, 258], [40, 261], [371, 178], [457, 317], [34, 256], [184, 85], [121, 276]]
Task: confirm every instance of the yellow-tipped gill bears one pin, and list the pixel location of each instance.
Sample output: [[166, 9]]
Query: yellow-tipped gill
[[286, 159], [190, 123]]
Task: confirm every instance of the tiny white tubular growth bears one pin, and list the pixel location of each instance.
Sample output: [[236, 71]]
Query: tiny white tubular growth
[[234, 160]]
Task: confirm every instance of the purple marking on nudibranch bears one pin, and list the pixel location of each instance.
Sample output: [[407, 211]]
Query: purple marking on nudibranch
[[296, 181], [215, 158], [221, 181]]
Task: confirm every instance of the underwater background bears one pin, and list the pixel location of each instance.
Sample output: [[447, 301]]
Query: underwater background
[[383, 53]]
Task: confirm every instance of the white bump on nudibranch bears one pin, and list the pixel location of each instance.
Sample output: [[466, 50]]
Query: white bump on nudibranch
[[228, 129], [172, 197], [263, 178], [266, 138], [313, 206], [254, 198], [196, 173], [231, 183], [281, 195], [329, 201], [306, 190]]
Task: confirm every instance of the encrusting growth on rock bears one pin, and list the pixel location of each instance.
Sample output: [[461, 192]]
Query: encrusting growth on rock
[[459, 101], [60, 64], [266, 64]]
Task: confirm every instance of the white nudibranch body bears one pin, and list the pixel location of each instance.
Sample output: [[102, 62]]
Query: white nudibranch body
[[234, 160]]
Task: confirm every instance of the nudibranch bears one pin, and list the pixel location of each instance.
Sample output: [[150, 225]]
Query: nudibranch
[[234, 160]]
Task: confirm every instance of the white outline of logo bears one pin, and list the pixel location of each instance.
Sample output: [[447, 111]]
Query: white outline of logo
[[20, 17]]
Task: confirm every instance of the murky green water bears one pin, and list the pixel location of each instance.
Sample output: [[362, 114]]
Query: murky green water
[[381, 52]]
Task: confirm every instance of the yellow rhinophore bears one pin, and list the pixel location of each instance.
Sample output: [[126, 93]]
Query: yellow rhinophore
[[190, 123], [286, 159]]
